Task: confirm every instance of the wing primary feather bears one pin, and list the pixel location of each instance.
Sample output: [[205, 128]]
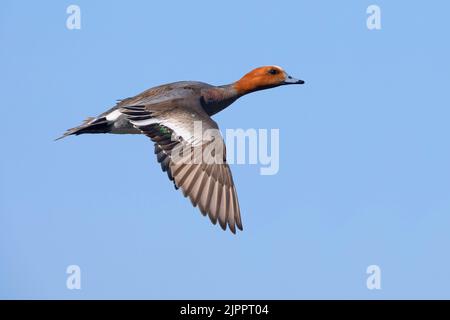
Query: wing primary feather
[[231, 220], [212, 206], [223, 207]]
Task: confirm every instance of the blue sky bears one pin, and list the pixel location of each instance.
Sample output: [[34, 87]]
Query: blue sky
[[364, 151]]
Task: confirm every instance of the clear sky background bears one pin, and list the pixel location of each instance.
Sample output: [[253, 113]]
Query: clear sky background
[[364, 151]]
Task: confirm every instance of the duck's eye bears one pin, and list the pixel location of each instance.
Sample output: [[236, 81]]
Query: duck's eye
[[273, 71]]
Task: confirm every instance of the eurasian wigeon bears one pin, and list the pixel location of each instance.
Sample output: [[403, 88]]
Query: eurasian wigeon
[[167, 114]]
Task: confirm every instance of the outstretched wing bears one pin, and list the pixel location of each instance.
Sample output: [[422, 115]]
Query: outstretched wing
[[190, 149]]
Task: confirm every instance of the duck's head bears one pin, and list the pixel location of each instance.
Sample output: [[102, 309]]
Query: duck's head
[[263, 78]]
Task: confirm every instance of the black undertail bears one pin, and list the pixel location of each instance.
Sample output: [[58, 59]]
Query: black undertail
[[91, 125]]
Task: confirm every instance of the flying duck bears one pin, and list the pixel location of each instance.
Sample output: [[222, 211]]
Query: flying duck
[[167, 114]]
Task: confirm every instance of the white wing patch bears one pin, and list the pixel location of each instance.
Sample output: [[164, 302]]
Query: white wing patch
[[190, 126], [112, 116], [180, 129]]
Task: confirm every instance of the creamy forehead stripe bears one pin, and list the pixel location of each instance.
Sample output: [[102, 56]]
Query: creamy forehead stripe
[[279, 68]]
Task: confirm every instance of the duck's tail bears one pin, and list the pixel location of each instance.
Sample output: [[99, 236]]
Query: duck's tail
[[90, 125]]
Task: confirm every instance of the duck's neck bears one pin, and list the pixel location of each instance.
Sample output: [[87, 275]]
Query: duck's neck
[[216, 99]]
